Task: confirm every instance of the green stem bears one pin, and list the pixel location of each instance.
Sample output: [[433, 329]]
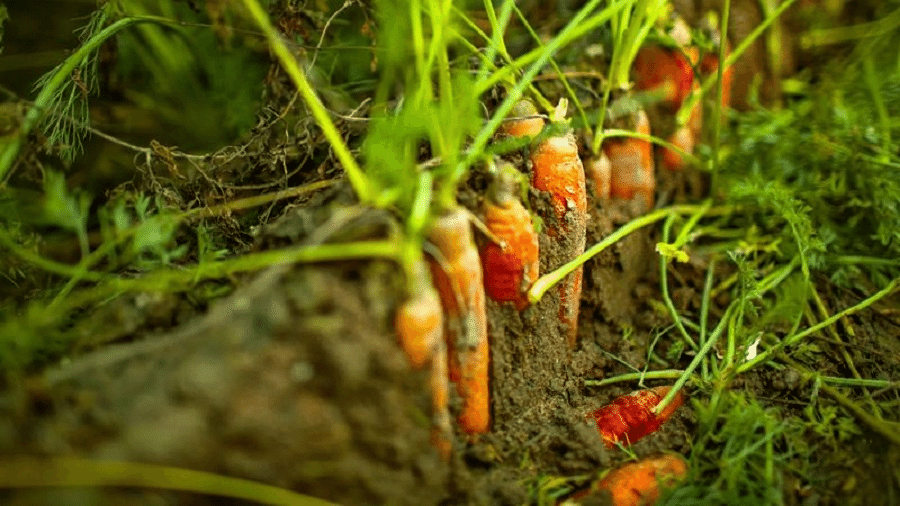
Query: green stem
[[547, 281], [790, 340], [685, 375], [664, 286], [635, 376], [11, 147], [289, 62], [27, 472], [723, 42]]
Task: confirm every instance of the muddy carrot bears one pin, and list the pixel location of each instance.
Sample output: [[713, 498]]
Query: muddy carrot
[[458, 277], [511, 267], [557, 170], [419, 321], [523, 121], [631, 164], [630, 417], [639, 483]]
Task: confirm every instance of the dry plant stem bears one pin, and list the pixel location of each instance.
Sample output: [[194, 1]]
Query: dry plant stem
[[289, 62], [30, 472], [11, 147]]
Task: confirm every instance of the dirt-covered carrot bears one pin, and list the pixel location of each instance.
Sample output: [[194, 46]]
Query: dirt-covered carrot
[[631, 163], [523, 121], [557, 170], [419, 320], [457, 275], [510, 267], [640, 483], [630, 417]]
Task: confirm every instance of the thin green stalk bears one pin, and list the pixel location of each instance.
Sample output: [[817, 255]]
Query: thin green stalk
[[573, 97], [664, 286], [543, 55], [547, 281], [354, 173], [635, 376], [498, 28], [859, 382], [688, 105], [726, 18], [686, 374], [28, 472], [9, 148], [704, 310], [616, 132], [793, 339], [884, 118]]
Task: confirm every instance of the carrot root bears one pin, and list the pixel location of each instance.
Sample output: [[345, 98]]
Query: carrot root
[[631, 164], [510, 268], [631, 417], [419, 324], [460, 285], [639, 483]]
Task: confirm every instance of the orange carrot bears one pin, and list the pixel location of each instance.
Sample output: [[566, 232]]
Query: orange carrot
[[660, 68], [639, 483], [458, 278], [510, 268], [630, 417], [631, 163], [557, 170], [419, 321], [599, 168], [523, 121]]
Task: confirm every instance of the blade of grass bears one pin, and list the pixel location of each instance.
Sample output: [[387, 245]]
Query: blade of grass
[[29, 472]]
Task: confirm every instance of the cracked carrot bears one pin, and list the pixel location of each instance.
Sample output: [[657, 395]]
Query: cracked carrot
[[630, 417], [511, 267], [458, 278]]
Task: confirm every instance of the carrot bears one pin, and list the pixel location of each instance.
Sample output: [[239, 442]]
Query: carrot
[[419, 321], [599, 169], [523, 121], [683, 138], [631, 163], [458, 278], [639, 483], [510, 268], [630, 417], [557, 170], [660, 68]]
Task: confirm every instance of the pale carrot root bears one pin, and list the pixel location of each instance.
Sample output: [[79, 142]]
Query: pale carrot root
[[461, 288], [557, 169], [441, 431], [599, 169], [509, 268], [683, 138], [631, 164], [419, 324]]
